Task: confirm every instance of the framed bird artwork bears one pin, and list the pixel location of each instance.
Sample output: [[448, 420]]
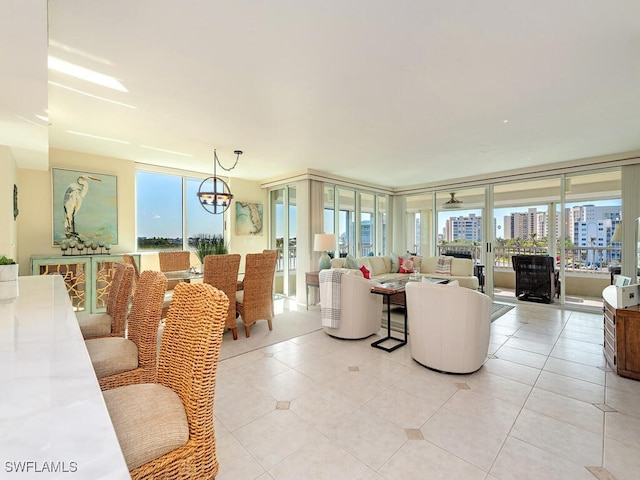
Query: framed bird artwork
[[85, 207]]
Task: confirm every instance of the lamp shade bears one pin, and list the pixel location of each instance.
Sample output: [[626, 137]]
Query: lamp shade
[[324, 242], [617, 234]]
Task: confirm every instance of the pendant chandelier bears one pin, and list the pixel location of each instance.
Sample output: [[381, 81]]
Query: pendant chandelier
[[216, 200]]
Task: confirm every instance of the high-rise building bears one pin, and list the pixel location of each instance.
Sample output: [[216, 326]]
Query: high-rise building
[[464, 228]]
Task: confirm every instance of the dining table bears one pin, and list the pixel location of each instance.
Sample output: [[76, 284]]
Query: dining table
[[183, 275], [53, 419]]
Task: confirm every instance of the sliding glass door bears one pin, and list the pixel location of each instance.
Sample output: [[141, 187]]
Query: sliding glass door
[[284, 238]]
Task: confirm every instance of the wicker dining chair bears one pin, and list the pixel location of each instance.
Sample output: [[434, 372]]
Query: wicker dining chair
[[112, 322], [166, 428], [125, 361], [221, 271], [275, 255], [255, 301], [126, 258], [173, 261]]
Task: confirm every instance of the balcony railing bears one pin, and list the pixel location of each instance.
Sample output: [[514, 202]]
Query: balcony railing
[[577, 259], [292, 259]]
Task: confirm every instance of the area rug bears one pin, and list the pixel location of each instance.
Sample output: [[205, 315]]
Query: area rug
[[499, 309], [397, 315], [286, 325]]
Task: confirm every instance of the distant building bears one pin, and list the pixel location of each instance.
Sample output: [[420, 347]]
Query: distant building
[[593, 227], [468, 229]]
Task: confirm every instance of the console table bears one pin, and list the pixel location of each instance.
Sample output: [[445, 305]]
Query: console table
[[312, 279], [621, 335], [87, 277]]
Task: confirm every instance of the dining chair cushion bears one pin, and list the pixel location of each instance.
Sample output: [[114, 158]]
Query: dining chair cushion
[[240, 296], [112, 355], [149, 420], [95, 324]]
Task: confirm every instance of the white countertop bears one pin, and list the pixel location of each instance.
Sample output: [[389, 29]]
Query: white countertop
[[52, 413]]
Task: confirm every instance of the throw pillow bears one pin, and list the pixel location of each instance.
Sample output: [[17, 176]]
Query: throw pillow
[[444, 265], [406, 265], [350, 262], [365, 272], [453, 283], [395, 263]]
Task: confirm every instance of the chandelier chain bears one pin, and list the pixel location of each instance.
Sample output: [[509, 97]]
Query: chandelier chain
[[217, 160]]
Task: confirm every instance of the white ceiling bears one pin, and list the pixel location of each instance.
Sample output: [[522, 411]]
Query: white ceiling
[[395, 93], [23, 80]]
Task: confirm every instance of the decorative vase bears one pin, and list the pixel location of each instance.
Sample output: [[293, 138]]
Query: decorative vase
[[9, 273]]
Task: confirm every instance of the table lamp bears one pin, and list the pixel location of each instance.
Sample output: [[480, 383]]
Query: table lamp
[[323, 242]]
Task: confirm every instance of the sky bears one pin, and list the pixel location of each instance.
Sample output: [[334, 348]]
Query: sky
[[159, 207]]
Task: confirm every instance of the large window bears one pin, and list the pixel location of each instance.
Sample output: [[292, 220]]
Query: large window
[[284, 238], [460, 223], [168, 213], [367, 225], [359, 218]]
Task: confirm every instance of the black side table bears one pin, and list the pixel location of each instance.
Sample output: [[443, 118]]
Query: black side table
[[401, 341]]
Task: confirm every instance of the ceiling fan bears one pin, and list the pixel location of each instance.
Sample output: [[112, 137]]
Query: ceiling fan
[[452, 203]]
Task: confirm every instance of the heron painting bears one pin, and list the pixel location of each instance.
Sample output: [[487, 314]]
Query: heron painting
[[73, 197], [84, 206]]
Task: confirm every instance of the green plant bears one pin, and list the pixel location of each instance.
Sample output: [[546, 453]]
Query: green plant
[[6, 261], [209, 245]]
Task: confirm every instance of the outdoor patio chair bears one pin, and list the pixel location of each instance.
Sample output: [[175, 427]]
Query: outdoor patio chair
[[536, 277]]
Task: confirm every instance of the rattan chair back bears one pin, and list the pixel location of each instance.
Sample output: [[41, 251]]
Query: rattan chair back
[[173, 261], [274, 253], [119, 297], [188, 365], [221, 271], [257, 298], [126, 258], [142, 329]]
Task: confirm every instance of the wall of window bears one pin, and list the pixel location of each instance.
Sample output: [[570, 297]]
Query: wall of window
[[168, 213], [359, 218]]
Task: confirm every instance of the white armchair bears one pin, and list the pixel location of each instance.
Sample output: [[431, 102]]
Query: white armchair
[[348, 308], [449, 326]]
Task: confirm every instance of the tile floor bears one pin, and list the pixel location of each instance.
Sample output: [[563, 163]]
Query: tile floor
[[544, 406]]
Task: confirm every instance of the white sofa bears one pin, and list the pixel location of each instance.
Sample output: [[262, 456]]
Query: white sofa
[[380, 268], [449, 326], [360, 310]]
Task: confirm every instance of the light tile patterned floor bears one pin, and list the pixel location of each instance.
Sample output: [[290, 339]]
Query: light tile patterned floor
[[544, 406]]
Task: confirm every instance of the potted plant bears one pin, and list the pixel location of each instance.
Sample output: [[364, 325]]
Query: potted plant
[[210, 245], [8, 269]]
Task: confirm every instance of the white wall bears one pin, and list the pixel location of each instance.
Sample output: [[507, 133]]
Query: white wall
[[8, 177], [35, 220], [247, 191]]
